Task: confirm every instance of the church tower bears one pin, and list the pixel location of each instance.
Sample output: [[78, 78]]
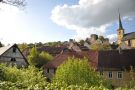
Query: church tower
[[120, 31]]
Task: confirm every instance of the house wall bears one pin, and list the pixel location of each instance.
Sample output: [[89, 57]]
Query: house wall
[[49, 73], [6, 57], [127, 77], [126, 43], [133, 43], [124, 81]]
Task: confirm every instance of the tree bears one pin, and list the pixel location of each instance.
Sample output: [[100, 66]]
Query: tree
[[23, 46], [82, 42], [101, 38], [12, 78], [54, 44], [114, 45], [1, 45], [100, 46], [44, 57], [17, 3], [33, 58], [77, 72], [38, 59]]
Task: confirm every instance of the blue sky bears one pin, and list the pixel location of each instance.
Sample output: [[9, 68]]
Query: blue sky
[[42, 21]]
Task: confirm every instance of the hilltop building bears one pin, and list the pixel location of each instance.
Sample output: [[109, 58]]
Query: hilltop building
[[95, 39], [127, 38]]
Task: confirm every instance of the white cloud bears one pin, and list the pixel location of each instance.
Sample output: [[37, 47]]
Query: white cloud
[[82, 33], [91, 16], [112, 37], [127, 18], [10, 31], [8, 18]]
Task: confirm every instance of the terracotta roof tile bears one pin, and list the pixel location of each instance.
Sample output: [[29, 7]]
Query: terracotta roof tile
[[99, 59], [59, 59]]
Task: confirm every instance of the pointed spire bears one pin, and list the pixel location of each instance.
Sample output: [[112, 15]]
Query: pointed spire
[[120, 23]]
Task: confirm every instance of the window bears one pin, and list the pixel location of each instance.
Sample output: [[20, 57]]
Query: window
[[101, 73], [129, 43], [119, 75], [14, 49], [47, 70], [54, 70], [13, 59], [119, 32], [110, 75]]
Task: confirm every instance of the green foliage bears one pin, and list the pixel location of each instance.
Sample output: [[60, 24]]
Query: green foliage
[[54, 44], [98, 46], [81, 42], [38, 59], [58, 86], [44, 57], [101, 38], [33, 58], [114, 45], [23, 46], [23, 78], [77, 72], [31, 78]]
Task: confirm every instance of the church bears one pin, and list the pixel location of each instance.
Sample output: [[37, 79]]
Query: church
[[126, 38]]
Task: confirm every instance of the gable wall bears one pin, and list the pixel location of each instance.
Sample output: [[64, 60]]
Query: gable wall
[[6, 57]]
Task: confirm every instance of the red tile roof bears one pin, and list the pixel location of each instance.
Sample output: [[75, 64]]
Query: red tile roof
[[52, 50], [112, 59], [59, 59]]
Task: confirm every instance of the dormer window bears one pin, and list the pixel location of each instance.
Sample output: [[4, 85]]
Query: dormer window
[[14, 49], [13, 59]]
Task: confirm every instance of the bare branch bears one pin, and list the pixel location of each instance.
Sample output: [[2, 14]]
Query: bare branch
[[17, 3]]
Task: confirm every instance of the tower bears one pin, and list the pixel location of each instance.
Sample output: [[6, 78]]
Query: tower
[[120, 31]]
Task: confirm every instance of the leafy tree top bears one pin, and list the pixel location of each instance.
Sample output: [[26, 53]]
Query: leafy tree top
[[77, 71]]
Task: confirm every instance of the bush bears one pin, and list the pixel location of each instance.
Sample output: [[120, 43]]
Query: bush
[[12, 77], [78, 72]]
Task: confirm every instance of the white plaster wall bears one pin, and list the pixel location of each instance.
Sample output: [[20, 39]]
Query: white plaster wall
[[6, 57]]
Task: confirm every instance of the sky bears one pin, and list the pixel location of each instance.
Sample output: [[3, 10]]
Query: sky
[[61, 20]]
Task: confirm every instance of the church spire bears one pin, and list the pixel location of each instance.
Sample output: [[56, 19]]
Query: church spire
[[120, 23], [120, 31]]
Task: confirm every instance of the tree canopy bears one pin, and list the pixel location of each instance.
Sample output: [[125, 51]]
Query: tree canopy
[[38, 59], [12, 78], [100, 46], [77, 72], [23, 46]]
